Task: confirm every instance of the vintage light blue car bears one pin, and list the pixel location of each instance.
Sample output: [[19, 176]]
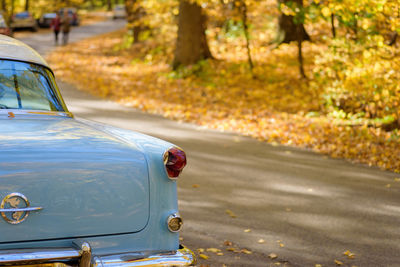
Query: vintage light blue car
[[75, 192]]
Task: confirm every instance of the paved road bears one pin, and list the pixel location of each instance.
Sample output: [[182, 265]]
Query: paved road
[[308, 208]]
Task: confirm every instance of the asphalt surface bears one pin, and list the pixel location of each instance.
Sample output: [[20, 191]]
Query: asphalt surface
[[307, 208]]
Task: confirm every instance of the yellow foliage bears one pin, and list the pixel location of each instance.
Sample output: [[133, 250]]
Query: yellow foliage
[[277, 107]]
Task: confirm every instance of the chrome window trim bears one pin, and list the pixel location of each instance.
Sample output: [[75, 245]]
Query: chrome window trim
[[35, 112]]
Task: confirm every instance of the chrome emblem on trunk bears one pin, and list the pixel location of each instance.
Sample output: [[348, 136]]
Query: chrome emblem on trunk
[[15, 208]]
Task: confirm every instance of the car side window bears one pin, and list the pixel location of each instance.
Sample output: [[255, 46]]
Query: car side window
[[26, 86]]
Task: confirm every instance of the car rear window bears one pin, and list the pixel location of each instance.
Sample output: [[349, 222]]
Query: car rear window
[[27, 86], [22, 15], [50, 15]]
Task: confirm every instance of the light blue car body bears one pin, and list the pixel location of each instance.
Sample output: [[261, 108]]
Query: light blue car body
[[98, 185], [88, 177]]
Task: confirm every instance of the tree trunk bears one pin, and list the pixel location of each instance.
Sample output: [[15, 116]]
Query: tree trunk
[[191, 44], [393, 39], [109, 5], [333, 28], [3, 5], [288, 27], [134, 14], [12, 8], [300, 51], [26, 5], [243, 11]]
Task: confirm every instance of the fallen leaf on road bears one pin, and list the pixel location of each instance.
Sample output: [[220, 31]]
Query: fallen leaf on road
[[220, 254], [318, 265], [281, 245], [397, 179], [180, 238], [231, 249], [203, 256], [272, 256], [200, 250], [227, 243], [261, 241], [288, 209], [247, 230], [230, 213], [195, 186], [338, 262], [349, 254], [388, 185], [213, 250], [245, 251]]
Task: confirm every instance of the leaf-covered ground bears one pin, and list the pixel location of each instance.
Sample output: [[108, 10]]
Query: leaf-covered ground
[[277, 107]]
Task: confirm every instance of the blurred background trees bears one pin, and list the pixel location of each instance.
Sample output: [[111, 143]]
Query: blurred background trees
[[354, 46], [346, 50], [38, 7]]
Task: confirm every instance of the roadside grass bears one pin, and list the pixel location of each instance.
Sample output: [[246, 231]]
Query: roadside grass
[[277, 106]]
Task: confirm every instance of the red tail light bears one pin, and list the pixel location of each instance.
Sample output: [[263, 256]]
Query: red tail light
[[175, 161]]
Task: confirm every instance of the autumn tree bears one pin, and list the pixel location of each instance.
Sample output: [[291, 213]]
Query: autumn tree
[[109, 5], [290, 27], [135, 15], [191, 44]]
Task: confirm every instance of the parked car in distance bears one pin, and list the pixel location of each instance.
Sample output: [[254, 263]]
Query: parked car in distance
[[119, 12], [23, 20], [4, 27], [96, 195], [46, 19], [73, 15]]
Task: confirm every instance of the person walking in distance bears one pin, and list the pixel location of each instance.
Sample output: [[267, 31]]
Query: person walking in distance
[[65, 26], [55, 25]]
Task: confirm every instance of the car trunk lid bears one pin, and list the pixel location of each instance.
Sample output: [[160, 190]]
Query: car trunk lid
[[87, 182]]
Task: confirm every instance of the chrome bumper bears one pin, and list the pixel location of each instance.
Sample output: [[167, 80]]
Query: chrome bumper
[[81, 256]]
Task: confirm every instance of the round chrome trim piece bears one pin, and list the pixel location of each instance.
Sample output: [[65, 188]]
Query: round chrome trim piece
[[18, 214], [172, 217]]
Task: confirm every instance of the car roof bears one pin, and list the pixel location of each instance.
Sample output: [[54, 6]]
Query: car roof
[[13, 49]]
